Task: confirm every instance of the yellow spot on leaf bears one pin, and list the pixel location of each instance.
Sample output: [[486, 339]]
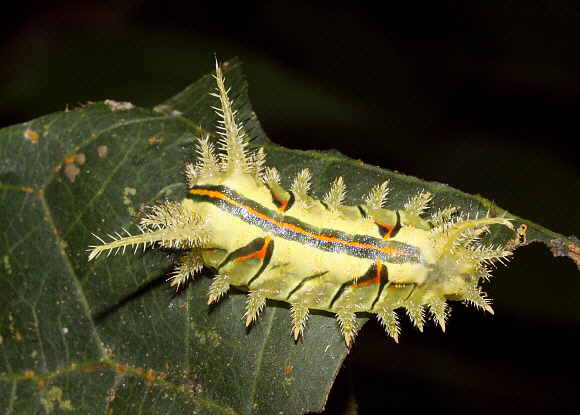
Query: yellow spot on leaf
[[150, 375], [8, 269], [120, 368], [129, 191], [69, 159], [53, 397], [31, 135]]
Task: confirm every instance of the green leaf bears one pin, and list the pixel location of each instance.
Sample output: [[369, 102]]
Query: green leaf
[[112, 335]]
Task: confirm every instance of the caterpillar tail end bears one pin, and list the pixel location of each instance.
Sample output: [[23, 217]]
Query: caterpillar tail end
[[170, 225], [119, 243]]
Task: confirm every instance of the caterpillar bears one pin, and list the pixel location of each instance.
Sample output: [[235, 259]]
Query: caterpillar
[[313, 254]]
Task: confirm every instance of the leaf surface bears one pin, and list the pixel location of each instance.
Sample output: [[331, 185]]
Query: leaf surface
[[111, 334]]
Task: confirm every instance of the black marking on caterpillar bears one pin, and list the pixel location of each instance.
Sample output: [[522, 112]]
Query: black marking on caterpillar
[[292, 229], [314, 254]]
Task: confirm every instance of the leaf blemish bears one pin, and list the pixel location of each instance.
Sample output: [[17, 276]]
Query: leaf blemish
[[31, 135], [193, 385], [520, 237], [70, 165], [7, 266], [118, 105], [127, 192], [71, 171], [102, 151], [53, 397]]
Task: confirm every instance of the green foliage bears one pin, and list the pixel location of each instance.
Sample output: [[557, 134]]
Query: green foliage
[[111, 334]]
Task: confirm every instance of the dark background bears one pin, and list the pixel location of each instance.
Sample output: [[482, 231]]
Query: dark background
[[483, 96]]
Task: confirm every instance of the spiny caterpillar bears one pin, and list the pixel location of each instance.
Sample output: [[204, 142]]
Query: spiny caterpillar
[[314, 254]]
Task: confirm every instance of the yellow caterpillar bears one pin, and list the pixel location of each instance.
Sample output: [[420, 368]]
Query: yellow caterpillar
[[314, 254]]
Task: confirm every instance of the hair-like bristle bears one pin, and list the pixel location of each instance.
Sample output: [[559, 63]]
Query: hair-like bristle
[[258, 163], [336, 194], [187, 266], [256, 302], [488, 254], [170, 225], [299, 318], [377, 196], [439, 310], [219, 286], [271, 176], [449, 233], [207, 165], [473, 294], [346, 320], [416, 313], [389, 320], [146, 239], [418, 203], [443, 216], [233, 138], [301, 184]]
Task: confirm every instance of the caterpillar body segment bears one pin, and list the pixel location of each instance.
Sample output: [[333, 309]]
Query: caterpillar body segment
[[313, 254]]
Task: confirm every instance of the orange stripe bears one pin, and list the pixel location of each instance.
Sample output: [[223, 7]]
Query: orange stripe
[[389, 228], [376, 278], [261, 254], [293, 228], [282, 202]]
